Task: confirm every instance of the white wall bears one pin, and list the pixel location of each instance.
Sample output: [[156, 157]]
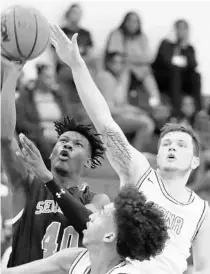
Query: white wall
[[157, 16]]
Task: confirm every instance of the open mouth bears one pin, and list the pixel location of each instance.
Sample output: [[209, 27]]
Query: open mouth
[[171, 156], [64, 155]]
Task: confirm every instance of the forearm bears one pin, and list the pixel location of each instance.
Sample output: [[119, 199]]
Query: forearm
[[43, 266], [74, 210], [8, 117], [92, 99]]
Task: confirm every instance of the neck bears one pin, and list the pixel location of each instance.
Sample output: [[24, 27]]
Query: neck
[[103, 259], [175, 180], [65, 179]]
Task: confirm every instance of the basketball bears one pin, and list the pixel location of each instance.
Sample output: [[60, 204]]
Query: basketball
[[25, 33]]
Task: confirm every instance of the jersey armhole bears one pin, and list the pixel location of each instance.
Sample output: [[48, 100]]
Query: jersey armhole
[[202, 217], [76, 261], [144, 177]]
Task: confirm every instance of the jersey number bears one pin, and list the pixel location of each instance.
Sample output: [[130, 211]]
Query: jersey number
[[70, 238]]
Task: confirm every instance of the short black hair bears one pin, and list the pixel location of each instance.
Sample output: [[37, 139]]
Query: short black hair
[[181, 127], [97, 147], [141, 228]]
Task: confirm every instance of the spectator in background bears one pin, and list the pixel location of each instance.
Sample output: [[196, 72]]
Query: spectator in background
[[130, 40], [187, 112], [202, 124], [175, 68], [64, 75], [38, 105], [114, 83]]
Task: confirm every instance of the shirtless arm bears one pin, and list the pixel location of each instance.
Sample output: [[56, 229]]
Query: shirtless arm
[[14, 168], [129, 163], [59, 263]]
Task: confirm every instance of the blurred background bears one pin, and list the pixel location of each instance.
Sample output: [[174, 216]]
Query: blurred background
[[150, 60]]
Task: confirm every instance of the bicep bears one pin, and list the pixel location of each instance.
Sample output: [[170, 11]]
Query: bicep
[[201, 247], [14, 167], [129, 163]]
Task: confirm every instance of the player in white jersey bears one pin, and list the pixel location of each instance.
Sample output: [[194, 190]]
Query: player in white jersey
[[187, 216], [130, 227]]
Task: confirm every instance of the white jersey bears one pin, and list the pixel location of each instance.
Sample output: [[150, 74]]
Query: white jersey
[[182, 219], [82, 265]]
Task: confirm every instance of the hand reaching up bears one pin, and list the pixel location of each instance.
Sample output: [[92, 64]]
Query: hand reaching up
[[67, 50]]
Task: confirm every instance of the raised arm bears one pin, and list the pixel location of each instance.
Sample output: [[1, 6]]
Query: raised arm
[[128, 162], [14, 168], [59, 263]]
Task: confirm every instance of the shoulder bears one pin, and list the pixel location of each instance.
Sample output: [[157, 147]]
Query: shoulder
[[67, 257]]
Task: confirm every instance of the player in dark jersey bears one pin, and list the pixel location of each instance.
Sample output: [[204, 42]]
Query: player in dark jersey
[[129, 228], [42, 229]]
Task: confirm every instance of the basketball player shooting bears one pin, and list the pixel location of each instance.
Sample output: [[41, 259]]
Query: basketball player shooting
[[187, 216], [41, 228], [111, 236]]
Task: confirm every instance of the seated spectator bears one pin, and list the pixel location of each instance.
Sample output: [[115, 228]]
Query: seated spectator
[[64, 75], [114, 82], [202, 125], [187, 111], [38, 105], [175, 68], [130, 40]]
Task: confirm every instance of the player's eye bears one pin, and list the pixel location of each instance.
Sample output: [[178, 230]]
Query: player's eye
[[63, 141], [165, 144], [79, 145]]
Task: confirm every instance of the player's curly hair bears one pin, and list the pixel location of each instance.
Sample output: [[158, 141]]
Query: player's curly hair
[[141, 228], [97, 147]]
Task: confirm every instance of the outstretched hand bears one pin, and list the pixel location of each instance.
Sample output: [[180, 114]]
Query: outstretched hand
[[33, 160], [67, 50]]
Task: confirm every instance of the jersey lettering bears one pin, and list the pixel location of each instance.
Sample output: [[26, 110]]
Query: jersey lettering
[[70, 238]]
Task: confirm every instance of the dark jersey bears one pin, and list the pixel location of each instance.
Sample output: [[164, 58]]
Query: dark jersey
[[43, 229]]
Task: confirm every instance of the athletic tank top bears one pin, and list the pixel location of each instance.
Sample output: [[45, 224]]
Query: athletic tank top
[[183, 221]]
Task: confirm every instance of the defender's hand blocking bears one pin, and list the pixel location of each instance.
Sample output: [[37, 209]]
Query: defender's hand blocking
[[33, 159], [66, 49]]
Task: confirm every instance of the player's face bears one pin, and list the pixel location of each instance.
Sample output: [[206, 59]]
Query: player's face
[[71, 152], [101, 227], [176, 152]]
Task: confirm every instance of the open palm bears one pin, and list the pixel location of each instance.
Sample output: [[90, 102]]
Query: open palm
[[66, 49]]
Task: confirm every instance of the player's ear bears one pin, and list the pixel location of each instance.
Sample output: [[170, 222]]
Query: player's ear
[[195, 162], [88, 163], [109, 237]]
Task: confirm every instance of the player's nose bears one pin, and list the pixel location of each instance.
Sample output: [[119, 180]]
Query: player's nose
[[68, 146]]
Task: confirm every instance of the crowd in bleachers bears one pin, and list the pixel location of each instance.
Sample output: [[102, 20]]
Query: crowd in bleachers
[[142, 94]]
